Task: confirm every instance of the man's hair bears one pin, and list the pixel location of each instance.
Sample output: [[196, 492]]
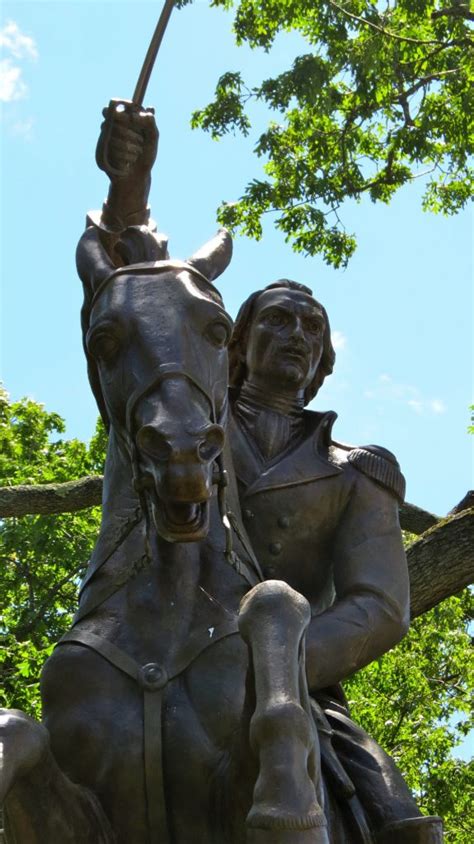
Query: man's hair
[[240, 335]]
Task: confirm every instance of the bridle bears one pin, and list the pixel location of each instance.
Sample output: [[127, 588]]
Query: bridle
[[124, 431]]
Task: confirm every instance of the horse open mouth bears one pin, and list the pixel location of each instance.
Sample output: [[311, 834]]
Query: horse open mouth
[[180, 521]]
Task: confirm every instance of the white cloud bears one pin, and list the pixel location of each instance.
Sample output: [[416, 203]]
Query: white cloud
[[339, 340], [388, 390], [12, 86], [17, 46]]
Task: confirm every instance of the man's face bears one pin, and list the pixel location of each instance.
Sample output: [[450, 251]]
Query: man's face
[[285, 341]]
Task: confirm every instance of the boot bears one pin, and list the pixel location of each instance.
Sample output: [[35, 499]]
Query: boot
[[428, 830]]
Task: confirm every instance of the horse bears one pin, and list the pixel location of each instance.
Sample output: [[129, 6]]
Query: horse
[[176, 707]]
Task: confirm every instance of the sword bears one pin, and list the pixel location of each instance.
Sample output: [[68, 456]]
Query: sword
[[150, 58], [136, 103]]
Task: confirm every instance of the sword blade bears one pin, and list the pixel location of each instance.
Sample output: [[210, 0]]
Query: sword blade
[[145, 73]]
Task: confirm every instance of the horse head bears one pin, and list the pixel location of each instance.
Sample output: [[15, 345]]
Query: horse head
[[155, 336]]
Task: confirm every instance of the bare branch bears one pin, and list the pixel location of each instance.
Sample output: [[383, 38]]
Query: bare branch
[[415, 520], [48, 499], [441, 562]]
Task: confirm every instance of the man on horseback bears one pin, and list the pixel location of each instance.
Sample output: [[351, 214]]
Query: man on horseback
[[323, 517]]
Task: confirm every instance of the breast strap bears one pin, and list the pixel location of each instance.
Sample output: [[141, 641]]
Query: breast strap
[[153, 679]]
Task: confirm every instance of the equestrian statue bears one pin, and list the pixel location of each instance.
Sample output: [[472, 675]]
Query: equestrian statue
[[246, 564]]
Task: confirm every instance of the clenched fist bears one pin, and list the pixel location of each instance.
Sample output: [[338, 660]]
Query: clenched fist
[[128, 141]]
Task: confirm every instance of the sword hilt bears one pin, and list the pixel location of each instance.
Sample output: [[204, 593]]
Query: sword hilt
[[116, 106]]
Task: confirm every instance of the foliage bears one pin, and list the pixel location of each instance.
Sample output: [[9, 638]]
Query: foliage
[[41, 557], [382, 95], [413, 700], [470, 429]]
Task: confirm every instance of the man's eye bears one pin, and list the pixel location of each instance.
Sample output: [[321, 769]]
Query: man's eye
[[275, 319], [218, 333], [314, 326]]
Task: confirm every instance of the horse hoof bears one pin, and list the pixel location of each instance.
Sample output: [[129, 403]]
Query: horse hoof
[[24, 743], [317, 835]]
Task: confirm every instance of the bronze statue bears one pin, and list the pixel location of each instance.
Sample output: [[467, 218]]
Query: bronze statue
[[323, 517], [178, 707], [168, 714], [145, 698]]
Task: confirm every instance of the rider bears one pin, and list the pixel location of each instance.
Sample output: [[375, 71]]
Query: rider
[[324, 517], [321, 516]]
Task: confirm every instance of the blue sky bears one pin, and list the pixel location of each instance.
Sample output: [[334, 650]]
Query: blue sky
[[401, 313]]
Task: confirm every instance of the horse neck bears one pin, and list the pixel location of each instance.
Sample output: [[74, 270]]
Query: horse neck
[[119, 498]]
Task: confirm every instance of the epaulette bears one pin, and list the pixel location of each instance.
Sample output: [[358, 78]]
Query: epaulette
[[380, 465]]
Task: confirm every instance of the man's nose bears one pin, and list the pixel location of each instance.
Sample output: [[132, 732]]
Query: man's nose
[[297, 332]]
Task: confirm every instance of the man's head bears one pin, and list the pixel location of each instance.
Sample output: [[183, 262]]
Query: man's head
[[282, 340]]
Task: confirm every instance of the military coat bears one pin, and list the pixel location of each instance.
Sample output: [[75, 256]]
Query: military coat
[[324, 517]]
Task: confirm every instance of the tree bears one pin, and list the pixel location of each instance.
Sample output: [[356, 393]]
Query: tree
[[42, 558], [383, 95], [414, 700]]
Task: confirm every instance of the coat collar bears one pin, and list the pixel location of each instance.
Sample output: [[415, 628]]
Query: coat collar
[[303, 464]]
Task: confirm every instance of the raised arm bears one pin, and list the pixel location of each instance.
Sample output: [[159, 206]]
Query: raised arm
[[126, 151]]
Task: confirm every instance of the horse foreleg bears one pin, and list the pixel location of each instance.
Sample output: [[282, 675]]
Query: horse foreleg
[[273, 620], [42, 806]]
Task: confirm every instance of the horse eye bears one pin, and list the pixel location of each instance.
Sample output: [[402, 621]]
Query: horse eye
[[103, 346], [218, 333]]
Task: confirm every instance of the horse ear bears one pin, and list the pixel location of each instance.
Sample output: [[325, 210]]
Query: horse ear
[[92, 261], [214, 257]]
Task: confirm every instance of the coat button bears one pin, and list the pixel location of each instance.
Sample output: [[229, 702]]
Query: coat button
[[283, 522], [275, 548], [248, 514]]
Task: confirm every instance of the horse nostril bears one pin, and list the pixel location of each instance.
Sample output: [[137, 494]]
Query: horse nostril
[[211, 446], [153, 443]]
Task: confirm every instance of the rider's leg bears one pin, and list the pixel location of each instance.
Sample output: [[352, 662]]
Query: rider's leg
[[384, 794], [42, 806], [273, 620]]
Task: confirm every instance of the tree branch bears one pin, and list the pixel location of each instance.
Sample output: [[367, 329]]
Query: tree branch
[[415, 520], [441, 562], [460, 10], [49, 499], [381, 29]]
